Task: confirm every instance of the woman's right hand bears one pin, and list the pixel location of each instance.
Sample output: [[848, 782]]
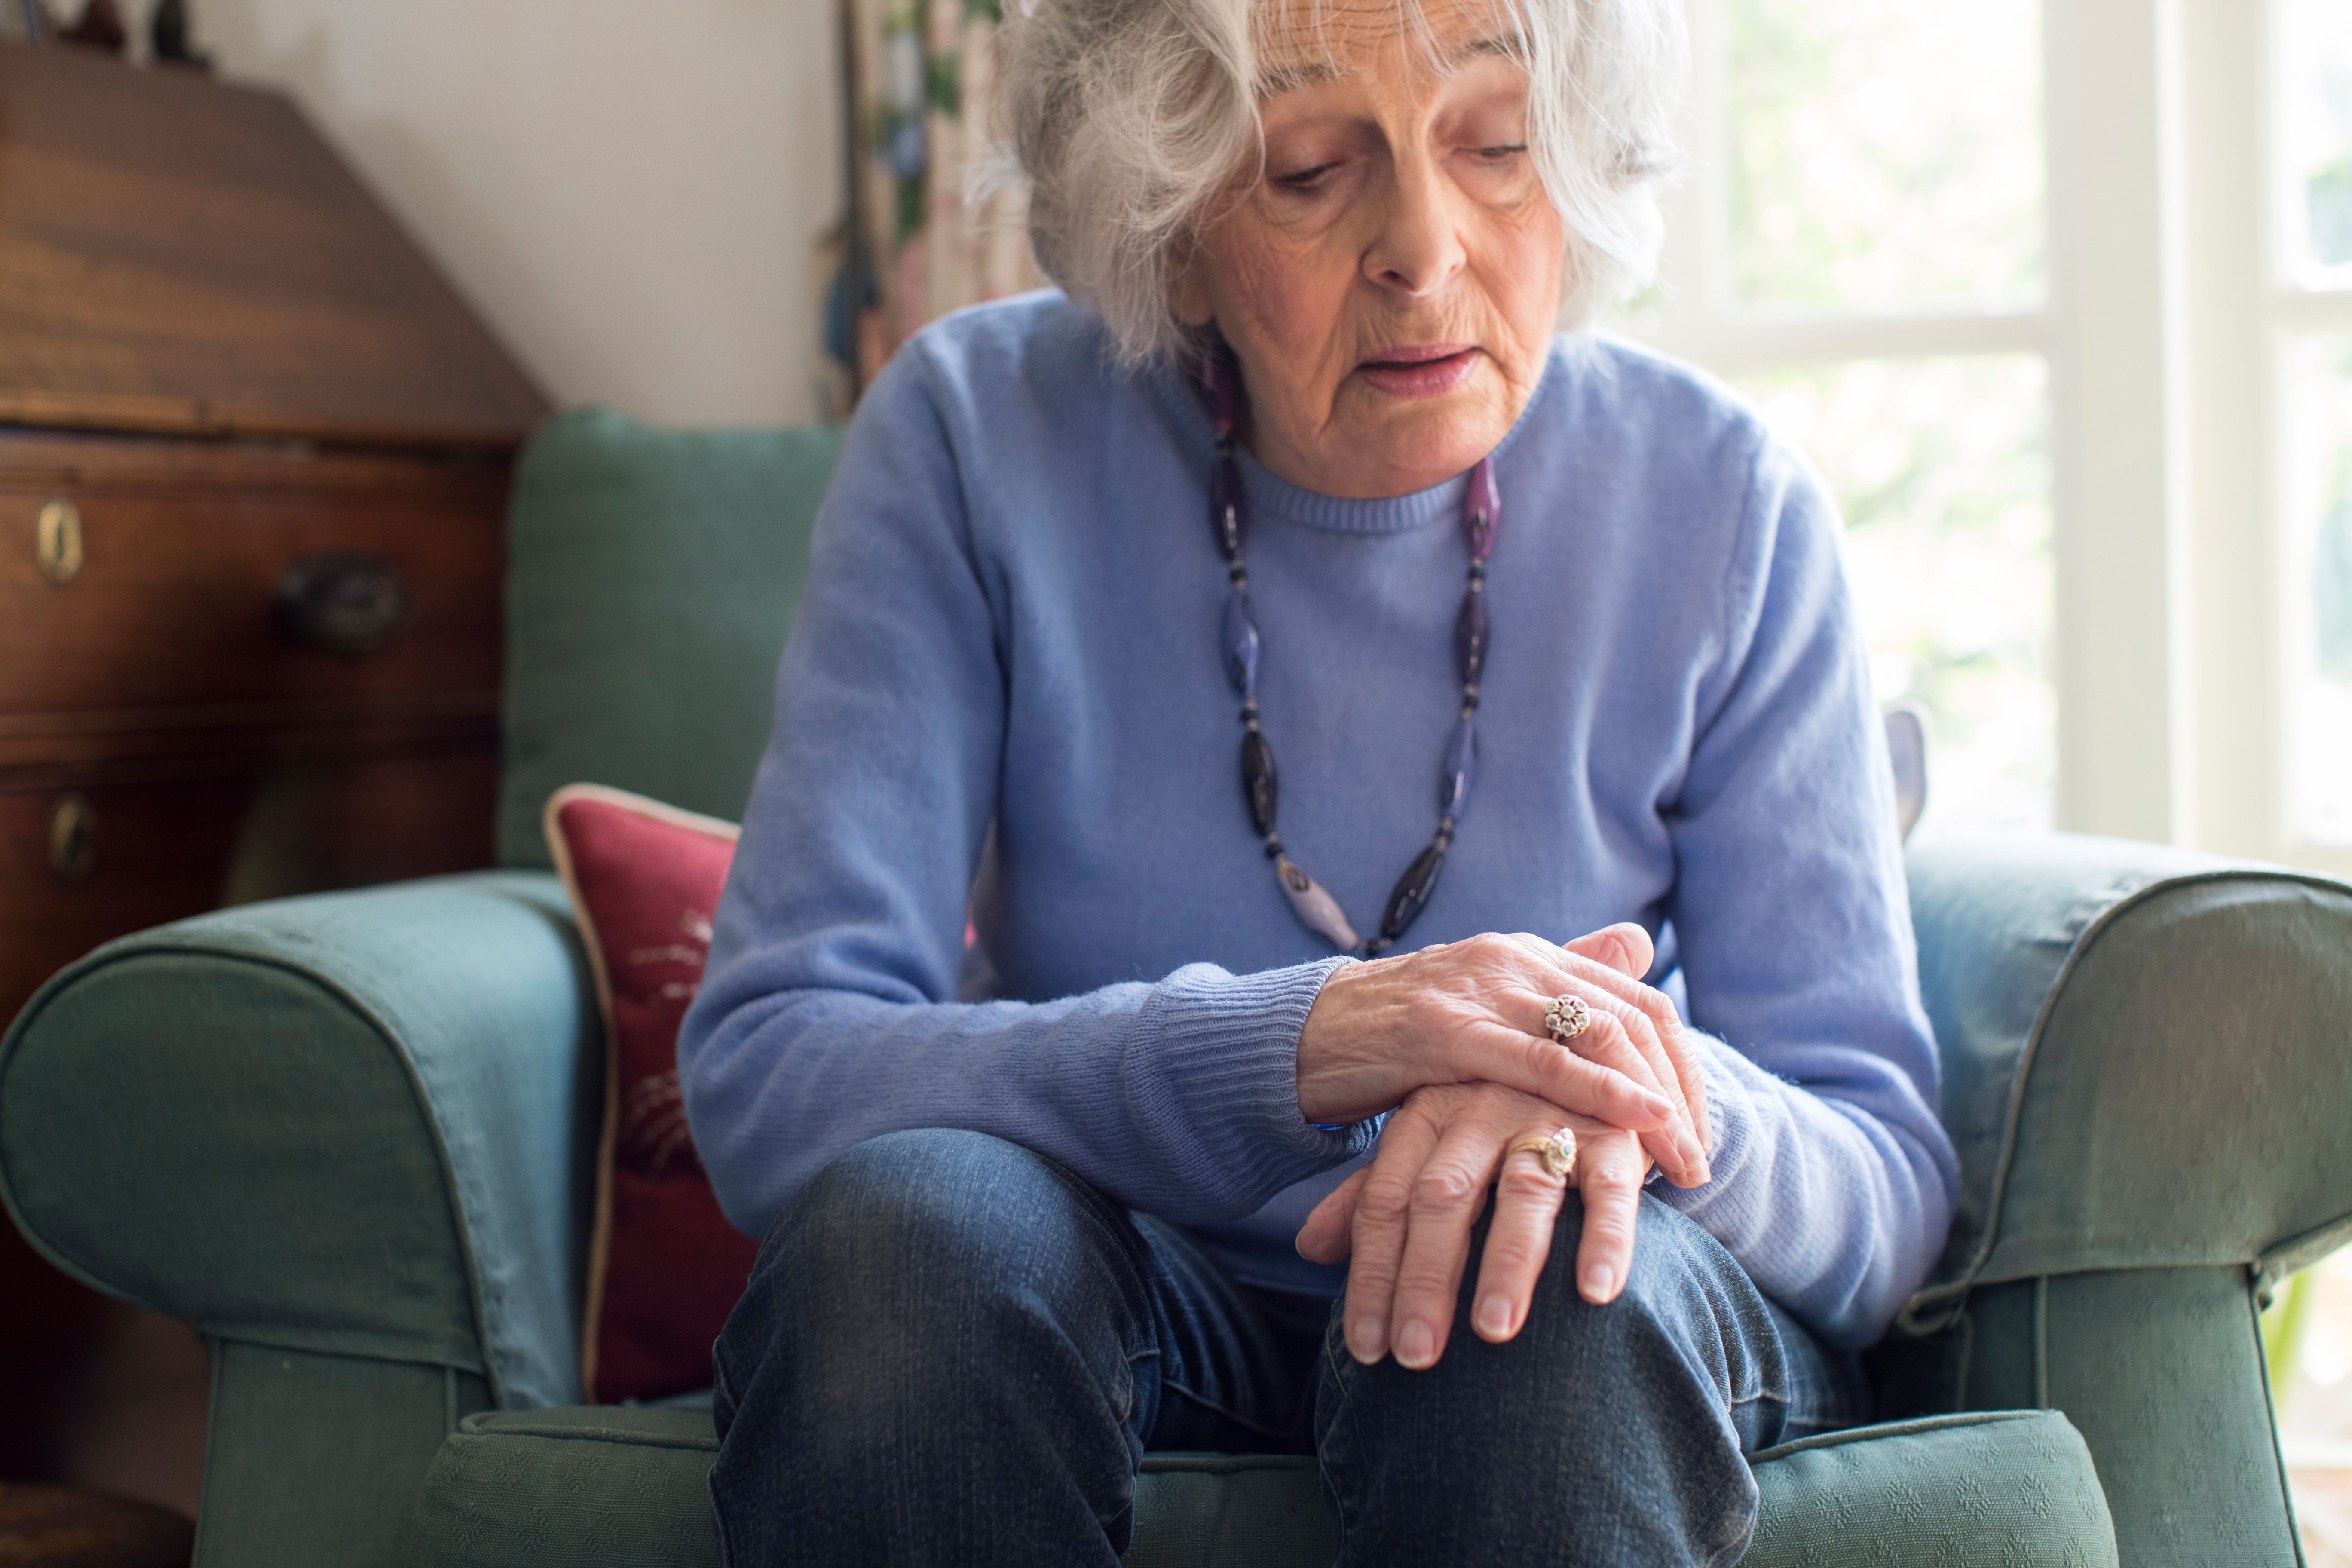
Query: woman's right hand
[[1403, 1222], [1470, 1011]]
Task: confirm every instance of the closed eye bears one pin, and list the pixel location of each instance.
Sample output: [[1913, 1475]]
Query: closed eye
[[1303, 179], [1496, 155]]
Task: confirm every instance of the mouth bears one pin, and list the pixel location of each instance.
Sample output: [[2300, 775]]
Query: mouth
[[1419, 370]]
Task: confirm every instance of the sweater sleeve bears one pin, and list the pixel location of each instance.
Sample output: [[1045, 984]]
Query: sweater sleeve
[[1833, 1179], [826, 1015]]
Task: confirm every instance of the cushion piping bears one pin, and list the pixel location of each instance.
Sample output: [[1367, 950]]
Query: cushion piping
[[616, 1436], [1893, 1429]]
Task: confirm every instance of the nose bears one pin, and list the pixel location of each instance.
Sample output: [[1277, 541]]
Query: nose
[[1418, 249]]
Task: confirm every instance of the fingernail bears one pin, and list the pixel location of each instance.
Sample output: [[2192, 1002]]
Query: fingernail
[[1705, 1171], [1657, 1106], [1596, 1282], [1416, 1346], [1370, 1342], [1493, 1316]]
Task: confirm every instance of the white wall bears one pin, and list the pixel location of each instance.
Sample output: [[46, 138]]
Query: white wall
[[630, 194]]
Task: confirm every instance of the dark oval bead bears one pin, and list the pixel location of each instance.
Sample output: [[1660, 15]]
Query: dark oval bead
[[1411, 895], [1461, 769], [1470, 638], [1258, 779], [1228, 510], [1482, 510], [1241, 645], [1217, 377]]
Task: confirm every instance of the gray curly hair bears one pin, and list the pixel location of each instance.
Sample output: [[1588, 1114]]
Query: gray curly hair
[[1127, 118]]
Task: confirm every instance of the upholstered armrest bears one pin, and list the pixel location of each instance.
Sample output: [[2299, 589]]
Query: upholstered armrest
[[354, 1125], [2146, 1057]]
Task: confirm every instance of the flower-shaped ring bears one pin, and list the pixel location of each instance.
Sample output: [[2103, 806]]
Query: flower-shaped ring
[[1564, 1017]]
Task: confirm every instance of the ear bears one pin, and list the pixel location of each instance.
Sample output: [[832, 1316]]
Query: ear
[[1188, 291]]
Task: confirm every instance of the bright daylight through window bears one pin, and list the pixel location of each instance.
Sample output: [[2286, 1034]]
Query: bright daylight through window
[[1868, 175], [2309, 1333], [2315, 139]]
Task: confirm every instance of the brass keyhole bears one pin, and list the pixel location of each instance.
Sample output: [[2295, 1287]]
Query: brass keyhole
[[73, 839], [58, 545]]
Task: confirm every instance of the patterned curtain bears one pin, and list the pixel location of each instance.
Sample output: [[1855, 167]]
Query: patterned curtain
[[910, 247]]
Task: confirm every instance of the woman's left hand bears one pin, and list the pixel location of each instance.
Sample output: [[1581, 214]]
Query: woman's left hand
[[1406, 1218]]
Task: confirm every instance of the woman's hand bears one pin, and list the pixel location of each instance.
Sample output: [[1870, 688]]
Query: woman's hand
[[1406, 1218], [1470, 1011]]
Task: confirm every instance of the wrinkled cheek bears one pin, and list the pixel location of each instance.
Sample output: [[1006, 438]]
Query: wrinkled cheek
[[1524, 280], [1289, 304]]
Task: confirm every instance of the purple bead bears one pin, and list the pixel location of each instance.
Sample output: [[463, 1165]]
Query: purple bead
[[1258, 779], [1461, 769], [1228, 512], [1241, 645], [1482, 510], [1470, 638], [1317, 910]]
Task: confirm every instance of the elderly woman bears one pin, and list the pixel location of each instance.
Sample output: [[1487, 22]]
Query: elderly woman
[[1296, 465]]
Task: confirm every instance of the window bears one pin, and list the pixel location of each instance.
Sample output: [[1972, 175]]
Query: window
[[1861, 247], [2058, 296]]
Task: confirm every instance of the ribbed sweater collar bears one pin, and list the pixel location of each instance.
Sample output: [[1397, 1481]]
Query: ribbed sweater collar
[[1271, 495]]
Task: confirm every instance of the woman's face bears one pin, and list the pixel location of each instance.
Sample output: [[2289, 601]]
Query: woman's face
[[1391, 282]]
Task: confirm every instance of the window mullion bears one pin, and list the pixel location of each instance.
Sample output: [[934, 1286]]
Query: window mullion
[[2236, 679], [2116, 377]]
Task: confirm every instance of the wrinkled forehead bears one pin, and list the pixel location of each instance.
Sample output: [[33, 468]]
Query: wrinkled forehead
[[1303, 41]]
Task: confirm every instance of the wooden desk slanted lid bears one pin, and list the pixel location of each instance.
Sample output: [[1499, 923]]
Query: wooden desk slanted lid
[[185, 257]]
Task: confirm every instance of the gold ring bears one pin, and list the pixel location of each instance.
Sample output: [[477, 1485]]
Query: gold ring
[[1558, 1151], [1564, 1017]]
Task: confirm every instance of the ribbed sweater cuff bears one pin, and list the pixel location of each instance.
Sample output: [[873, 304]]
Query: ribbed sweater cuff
[[1228, 1047], [1731, 1121]]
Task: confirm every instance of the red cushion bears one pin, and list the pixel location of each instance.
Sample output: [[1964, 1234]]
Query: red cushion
[[664, 1267]]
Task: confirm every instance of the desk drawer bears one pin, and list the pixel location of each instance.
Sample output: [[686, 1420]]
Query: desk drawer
[[80, 864], [141, 592]]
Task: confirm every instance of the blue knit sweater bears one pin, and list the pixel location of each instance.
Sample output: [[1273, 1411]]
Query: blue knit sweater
[[1005, 686]]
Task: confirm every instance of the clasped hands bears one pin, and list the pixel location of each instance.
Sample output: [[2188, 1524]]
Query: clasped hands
[[1453, 1038]]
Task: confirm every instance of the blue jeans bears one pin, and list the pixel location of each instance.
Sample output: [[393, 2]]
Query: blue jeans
[[952, 1351]]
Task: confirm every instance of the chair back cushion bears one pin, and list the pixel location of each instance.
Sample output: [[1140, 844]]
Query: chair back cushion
[[651, 579]]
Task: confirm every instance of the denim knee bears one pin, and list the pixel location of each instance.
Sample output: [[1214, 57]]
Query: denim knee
[[1685, 1303], [944, 1345], [1687, 1322], [914, 1257], [1597, 1433], [956, 1199]]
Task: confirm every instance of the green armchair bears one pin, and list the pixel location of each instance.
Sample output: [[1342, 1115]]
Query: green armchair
[[348, 1138]]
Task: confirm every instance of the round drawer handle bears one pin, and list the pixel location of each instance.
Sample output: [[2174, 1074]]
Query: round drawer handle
[[57, 540], [341, 601], [73, 839]]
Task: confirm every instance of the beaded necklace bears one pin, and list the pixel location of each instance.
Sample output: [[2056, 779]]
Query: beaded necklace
[[1482, 510]]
